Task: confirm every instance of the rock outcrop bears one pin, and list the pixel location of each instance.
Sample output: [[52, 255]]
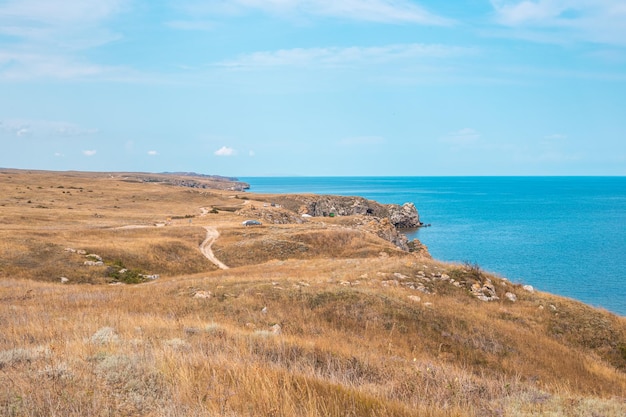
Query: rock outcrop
[[404, 216], [401, 216], [384, 220]]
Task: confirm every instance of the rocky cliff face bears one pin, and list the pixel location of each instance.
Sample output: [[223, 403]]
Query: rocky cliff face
[[401, 216], [404, 216], [383, 220]]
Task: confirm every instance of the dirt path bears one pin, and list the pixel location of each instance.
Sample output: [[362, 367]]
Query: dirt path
[[211, 235]]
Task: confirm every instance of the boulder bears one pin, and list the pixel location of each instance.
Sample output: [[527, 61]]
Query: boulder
[[404, 216]]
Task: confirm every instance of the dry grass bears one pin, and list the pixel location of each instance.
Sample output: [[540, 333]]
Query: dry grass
[[334, 330]]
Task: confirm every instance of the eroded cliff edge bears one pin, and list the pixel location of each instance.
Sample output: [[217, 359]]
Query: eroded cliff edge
[[385, 220]]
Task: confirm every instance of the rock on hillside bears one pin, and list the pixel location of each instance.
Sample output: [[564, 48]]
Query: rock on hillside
[[384, 229]]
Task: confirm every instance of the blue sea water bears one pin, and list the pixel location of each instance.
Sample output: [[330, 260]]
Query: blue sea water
[[564, 235]]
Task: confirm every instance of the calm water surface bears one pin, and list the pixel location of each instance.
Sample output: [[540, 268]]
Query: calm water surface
[[565, 235]]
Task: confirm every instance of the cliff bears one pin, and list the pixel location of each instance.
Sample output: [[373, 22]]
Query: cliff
[[401, 216], [384, 220]]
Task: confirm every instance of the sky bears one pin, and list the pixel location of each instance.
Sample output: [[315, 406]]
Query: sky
[[314, 88]]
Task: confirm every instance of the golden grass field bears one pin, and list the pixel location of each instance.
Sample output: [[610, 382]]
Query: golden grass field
[[312, 319]]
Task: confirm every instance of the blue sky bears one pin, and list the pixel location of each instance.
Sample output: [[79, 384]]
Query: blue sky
[[312, 87]]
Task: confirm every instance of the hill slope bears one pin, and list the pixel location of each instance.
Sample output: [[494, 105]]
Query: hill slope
[[317, 318]]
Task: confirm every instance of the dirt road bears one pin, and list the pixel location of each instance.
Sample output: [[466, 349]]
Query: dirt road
[[211, 235]]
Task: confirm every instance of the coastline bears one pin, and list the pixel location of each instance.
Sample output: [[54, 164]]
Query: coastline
[[177, 292], [507, 225]]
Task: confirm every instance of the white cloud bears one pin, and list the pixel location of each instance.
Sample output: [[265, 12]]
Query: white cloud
[[44, 37], [153, 153], [336, 56], [68, 23], [384, 11], [251, 153], [58, 154], [16, 65], [89, 152], [44, 128], [23, 132], [600, 21], [225, 151]]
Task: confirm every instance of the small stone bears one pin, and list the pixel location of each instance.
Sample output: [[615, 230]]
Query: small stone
[[415, 298], [528, 288], [203, 294], [276, 329], [64, 280], [552, 307], [511, 297], [345, 283], [399, 275], [423, 289], [264, 310], [445, 276]]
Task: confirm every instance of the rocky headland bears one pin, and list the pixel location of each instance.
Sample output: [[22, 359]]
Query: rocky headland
[[384, 220]]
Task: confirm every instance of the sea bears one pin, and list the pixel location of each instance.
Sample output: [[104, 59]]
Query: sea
[[563, 235]]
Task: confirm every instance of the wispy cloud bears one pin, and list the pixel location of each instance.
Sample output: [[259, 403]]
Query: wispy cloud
[[44, 128], [383, 11], [153, 153], [225, 151], [70, 23], [343, 56], [16, 65], [463, 136], [89, 152], [43, 38], [600, 21]]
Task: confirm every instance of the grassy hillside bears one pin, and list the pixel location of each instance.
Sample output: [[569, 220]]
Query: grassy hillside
[[312, 319]]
